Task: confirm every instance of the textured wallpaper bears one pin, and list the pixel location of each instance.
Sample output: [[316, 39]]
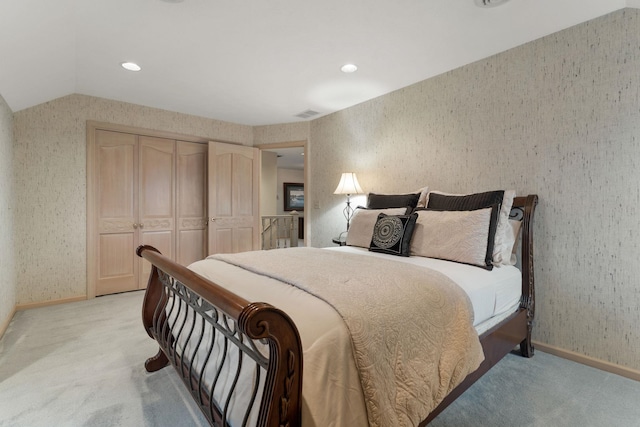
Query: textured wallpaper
[[286, 132], [7, 260], [50, 164], [559, 117]]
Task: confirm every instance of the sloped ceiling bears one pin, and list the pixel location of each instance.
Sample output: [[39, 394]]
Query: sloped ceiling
[[257, 62]]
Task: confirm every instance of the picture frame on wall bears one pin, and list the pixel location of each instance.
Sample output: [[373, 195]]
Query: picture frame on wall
[[293, 196]]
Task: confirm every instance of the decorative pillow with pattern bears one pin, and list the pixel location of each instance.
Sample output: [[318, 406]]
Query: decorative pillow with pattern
[[392, 234]]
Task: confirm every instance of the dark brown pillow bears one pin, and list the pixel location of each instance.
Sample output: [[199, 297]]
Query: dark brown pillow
[[467, 202], [384, 201]]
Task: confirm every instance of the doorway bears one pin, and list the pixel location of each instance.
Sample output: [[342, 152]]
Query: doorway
[[284, 164]]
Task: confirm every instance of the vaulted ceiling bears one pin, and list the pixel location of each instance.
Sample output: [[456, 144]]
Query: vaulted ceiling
[[257, 62]]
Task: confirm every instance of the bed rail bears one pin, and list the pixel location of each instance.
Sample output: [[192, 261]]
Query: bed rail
[[265, 340], [516, 330]]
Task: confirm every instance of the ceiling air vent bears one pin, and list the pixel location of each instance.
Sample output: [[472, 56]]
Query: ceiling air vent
[[307, 114], [489, 3]]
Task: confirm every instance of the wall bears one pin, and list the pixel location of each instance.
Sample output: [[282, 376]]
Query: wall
[[285, 132], [268, 183], [559, 117], [50, 164], [8, 284]]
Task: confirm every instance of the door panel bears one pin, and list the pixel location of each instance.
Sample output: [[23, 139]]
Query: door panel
[[162, 241], [223, 167], [117, 269], [157, 198], [116, 179], [243, 186], [156, 178], [191, 246], [223, 240], [116, 211], [244, 239], [234, 192], [191, 175]]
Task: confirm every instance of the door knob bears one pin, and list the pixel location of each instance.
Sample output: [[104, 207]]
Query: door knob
[[135, 225]]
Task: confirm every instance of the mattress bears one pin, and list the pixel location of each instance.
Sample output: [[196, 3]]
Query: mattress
[[492, 292]]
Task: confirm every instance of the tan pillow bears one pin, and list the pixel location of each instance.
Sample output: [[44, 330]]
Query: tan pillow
[[362, 223], [501, 246], [460, 236]]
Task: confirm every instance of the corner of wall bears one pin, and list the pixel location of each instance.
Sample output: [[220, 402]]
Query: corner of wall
[[4, 325], [8, 286]]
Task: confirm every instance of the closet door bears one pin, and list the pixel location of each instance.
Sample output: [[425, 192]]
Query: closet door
[[234, 193], [141, 189], [156, 213], [191, 224], [116, 210]]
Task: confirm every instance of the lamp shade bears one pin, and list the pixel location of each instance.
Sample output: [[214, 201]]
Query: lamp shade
[[348, 184]]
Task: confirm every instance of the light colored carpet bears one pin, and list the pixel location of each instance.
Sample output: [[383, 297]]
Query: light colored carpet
[[81, 364]]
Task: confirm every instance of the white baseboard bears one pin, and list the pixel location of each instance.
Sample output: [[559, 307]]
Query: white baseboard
[[28, 306], [589, 361], [5, 323]]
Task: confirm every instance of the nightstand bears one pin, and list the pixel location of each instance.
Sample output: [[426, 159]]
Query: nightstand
[[341, 239]]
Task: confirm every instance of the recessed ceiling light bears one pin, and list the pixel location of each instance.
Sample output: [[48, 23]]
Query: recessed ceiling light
[[131, 66], [349, 68]]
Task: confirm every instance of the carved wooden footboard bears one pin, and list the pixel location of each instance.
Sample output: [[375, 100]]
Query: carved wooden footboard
[[242, 360], [182, 310]]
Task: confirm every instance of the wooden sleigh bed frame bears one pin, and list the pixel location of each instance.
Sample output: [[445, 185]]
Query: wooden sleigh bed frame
[[276, 396]]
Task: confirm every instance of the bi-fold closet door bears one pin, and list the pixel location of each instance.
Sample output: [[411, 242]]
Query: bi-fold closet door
[[150, 191]]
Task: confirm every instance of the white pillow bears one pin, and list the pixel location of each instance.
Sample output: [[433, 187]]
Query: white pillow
[[363, 222], [514, 225], [461, 236], [503, 243], [422, 200]]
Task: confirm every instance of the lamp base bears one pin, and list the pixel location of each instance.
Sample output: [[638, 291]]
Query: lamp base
[[348, 211]]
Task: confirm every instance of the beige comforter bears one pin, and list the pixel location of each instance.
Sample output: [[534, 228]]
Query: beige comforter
[[411, 328]]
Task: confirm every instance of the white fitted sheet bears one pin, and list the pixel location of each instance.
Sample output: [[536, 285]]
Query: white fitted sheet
[[492, 293]]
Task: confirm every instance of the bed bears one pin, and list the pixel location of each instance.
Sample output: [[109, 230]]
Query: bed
[[242, 360]]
